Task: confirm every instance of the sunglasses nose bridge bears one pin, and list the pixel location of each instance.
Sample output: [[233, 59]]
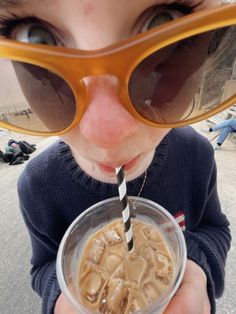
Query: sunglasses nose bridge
[[90, 70], [99, 73], [105, 83]]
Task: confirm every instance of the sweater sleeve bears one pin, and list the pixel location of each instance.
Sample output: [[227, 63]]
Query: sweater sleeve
[[37, 211], [208, 242], [43, 271]]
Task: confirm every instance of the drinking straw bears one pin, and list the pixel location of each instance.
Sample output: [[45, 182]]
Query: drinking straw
[[125, 205]]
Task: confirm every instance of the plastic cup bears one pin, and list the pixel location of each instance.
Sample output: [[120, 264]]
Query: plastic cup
[[97, 216]]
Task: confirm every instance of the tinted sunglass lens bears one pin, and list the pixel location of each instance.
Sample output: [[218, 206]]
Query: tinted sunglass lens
[[187, 78], [34, 98]]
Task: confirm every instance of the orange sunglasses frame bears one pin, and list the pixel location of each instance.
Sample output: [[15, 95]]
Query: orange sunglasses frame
[[118, 60]]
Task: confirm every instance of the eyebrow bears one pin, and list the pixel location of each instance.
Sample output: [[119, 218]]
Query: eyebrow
[[4, 4]]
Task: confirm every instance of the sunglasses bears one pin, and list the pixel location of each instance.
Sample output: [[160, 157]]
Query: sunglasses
[[171, 76]]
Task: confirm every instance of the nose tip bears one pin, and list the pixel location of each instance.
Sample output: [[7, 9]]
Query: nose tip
[[106, 122]]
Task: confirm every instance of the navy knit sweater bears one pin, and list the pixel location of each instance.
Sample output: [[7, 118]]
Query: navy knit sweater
[[53, 191]]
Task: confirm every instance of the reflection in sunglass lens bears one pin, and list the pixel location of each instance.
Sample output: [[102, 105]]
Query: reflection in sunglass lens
[[187, 78], [34, 98]]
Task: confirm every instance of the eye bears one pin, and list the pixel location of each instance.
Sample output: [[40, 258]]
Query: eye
[[161, 16], [34, 34]]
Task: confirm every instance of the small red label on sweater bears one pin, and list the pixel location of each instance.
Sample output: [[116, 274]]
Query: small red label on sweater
[[180, 218]]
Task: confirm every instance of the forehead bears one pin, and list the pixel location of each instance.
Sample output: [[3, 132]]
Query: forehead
[[15, 3], [62, 10]]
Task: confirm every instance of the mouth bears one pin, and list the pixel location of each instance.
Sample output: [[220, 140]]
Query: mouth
[[111, 168]]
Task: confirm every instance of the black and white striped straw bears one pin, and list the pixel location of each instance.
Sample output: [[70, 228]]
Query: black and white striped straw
[[125, 205]]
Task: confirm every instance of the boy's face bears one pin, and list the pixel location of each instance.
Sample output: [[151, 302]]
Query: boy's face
[[107, 135]]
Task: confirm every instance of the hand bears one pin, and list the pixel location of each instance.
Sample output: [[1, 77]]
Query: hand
[[192, 295], [63, 307]]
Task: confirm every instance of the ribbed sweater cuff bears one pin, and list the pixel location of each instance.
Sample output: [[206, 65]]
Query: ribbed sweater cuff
[[51, 292], [195, 254]]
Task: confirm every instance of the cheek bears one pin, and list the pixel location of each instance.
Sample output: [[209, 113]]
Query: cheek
[[74, 139]]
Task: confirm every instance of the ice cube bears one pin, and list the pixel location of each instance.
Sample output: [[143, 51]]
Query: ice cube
[[111, 262], [164, 269], [112, 237], [161, 261], [84, 268], [117, 294], [133, 307], [165, 278], [135, 269], [151, 292], [103, 300], [148, 255], [162, 248], [95, 251], [91, 286], [151, 234], [119, 273]]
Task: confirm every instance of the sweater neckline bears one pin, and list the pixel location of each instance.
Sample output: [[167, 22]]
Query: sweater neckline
[[92, 185]]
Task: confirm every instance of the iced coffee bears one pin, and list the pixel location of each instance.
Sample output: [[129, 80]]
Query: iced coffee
[[112, 280], [98, 275]]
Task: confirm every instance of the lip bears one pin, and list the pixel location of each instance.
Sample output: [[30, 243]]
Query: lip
[[111, 168]]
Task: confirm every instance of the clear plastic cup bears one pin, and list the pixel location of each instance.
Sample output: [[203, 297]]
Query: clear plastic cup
[[97, 216]]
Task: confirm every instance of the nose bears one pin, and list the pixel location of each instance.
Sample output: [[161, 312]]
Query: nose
[[106, 122]]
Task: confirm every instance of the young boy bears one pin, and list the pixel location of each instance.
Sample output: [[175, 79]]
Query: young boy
[[174, 168]]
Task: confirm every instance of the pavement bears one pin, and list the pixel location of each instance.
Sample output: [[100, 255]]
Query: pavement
[[16, 295]]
